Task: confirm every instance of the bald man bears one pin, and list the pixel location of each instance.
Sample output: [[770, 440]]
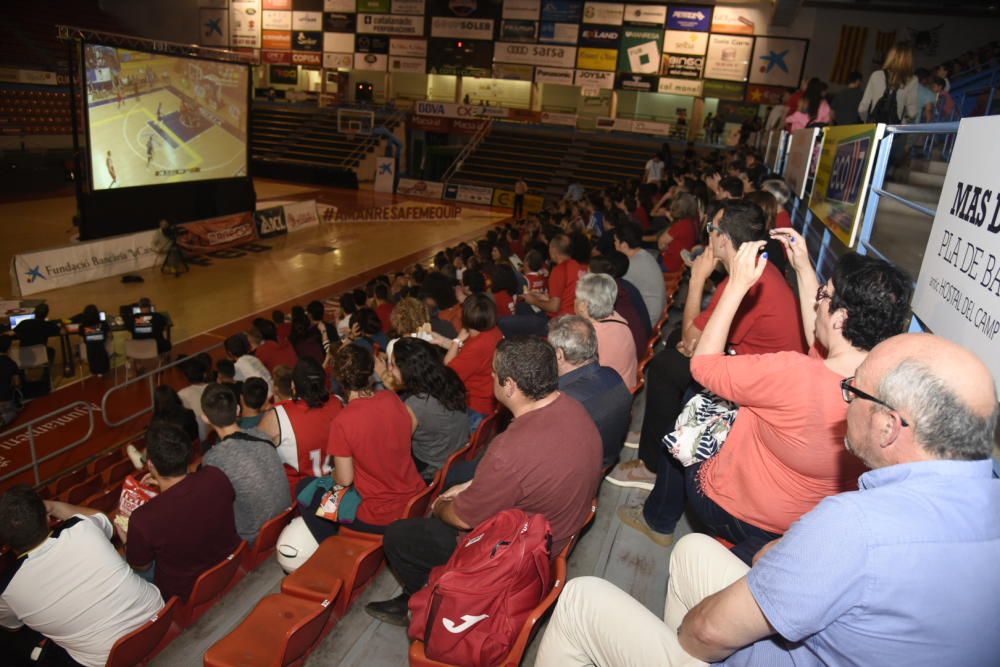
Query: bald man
[[902, 572]]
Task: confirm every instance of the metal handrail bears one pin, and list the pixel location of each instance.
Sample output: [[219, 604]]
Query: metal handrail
[[145, 376], [923, 128], [35, 461], [358, 150], [473, 143]]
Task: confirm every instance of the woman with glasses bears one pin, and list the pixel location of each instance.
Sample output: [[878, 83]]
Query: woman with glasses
[[785, 450]]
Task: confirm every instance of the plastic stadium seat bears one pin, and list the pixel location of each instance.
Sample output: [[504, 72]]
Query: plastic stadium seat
[[513, 659], [69, 480], [263, 546], [118, 472], [340, 563], [76, 494], [280, 631], [488, 429], [105, 501], [104, 462], [140, 645], [209, 587], [442, 474]]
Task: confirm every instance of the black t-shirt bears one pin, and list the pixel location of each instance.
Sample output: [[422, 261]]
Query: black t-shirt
[[8, 371], [151, 325], [36, 332]]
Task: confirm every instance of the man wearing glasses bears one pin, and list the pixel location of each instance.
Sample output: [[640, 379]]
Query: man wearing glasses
[[902, 572]]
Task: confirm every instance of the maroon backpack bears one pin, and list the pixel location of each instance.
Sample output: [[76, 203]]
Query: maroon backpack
[[473, 606]]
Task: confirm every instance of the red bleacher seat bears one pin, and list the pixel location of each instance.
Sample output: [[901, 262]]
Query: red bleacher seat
[[140, 646], [68, 480], [118, 472], [442, 474], [102, 463], [76, 494], [488, 429], [209, 587], [280, 631], [263, 546], [351, 561], [106, 500]]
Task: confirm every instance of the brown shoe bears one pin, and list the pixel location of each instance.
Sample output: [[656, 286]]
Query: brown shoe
[[631, 515], [632, 474]]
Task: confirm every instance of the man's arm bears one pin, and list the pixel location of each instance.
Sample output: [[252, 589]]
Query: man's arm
[[548, 303], [700, 271], [63, 511], [444, 509], [343, 470], [745, 270], [723, 623]]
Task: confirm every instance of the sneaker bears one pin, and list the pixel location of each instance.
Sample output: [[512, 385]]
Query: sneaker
[[632, 440], [395, 611], [137, 458], [631, 515], [632, 474]]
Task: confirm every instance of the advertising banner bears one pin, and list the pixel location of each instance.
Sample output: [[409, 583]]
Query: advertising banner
[[681, 86], [650, 127], [600, 37], [562, 11], [734, 20], [278, 4], [214, 29], [640, 51], [415, 188], [799, 159], [735, 111], [411, 48], [523, 10], [683, 67], [277, 39], [510, 72], [687, 43], [270, 222], [283, 75], [301, 215], [505, 199], [337, 42], [244, 23], [411, 65], [519, 31], [371, 62], [474, 58], [563, 77], [307, 21], [275, 20], [553, 118], [307, 41], [371, 44], [697, 19], [597, 59], [385, 174], [765, 94], [338, 22], [415, 7], [604, 13], [590, 79], [466, 125], [373, 6], [958, 289], [841, 181], [471, 194], [646, 14], [276, 57], [728, 57], [452, 110], [431, 124], [724, 90], [386, 24], [349, 6], [338, 60], [557, 33], [442, 26], [307, 59], [778, 61], [399, 212], [546, 56], [641, 83], [218, 233], [83, 262]]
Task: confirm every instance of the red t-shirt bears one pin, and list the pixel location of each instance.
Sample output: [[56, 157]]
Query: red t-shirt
[[273, 354], [383, 311], [562, 283], [474, 364], [767, 319], [453, 315], [284, 331], [548, 461], [186, 530], [311, 430], [683, 236], [503, 301], [375, 433], [783, 219]]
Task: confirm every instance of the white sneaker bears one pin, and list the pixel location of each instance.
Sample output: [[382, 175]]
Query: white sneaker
[[137, 458], [632, 474]]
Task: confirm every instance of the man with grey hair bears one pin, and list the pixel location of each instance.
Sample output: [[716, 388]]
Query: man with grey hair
[[595, 300], [903, 569], [598, 388]]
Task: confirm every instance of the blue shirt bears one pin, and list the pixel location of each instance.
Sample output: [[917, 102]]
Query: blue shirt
[[606, 399], [902, 572]]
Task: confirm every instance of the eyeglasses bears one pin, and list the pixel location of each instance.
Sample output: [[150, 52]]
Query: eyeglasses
[[822, 294], [849, 391], [713, 228]]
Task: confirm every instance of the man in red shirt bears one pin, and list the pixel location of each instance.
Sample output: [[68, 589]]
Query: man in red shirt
[[558, 301], [263, 337], [768, 321], [548, 461]]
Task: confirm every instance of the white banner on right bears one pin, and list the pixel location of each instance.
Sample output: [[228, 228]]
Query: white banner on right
[[958, 289]]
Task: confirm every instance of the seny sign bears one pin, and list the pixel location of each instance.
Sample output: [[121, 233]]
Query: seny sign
[[958, 289]]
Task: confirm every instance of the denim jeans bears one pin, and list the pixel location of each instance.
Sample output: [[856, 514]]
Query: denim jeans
[[475, 419], [665, 504]]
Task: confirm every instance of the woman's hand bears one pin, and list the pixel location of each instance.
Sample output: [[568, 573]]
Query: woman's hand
[[795, 247], [747, 266]]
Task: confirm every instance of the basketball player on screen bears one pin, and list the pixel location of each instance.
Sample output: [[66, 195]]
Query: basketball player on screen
[[111, 169], [159, 112], [149, 150]]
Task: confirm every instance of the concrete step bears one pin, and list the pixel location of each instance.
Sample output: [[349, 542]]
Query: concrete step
[[925, 179], [918, 193], [929, 166], [901, 238], [893, 206]]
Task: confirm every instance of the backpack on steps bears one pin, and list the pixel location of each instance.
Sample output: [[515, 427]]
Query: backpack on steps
[[474, 605], [886, 108]]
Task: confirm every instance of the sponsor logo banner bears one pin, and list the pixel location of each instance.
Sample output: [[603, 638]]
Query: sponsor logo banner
[[646, 14], [798, 160], [599, 59], [442, 26], [684, 67], [431, 123], [349, 6], [338, 60], [524, 10], [275, 20], [385, 174], [562, 11], [408, 7], [607, 13], [733, 20], [590, 79], [276, 57], [519, 31], [765, 94], [728, 57], [307, 59], [736, 111], [698, 19], [451, 110], [338, 42], [557, 33], [547, 56], [640, 51], [270, 222], [303, 40], [371, 62], [414, 188], [563, 77], [466, 126], [307, 21], [278, 4], [404, 64], [778, 62], [471, 194], [643, 83], [411, 48], [505, 199], [338, 22], [244, 23], [724, 90], [301, 215], [841, 182], [649, 127], [218, 233], [511, 72], [681, 87], [600, 37], [371, 44], [607, 123], [397, 212], [383, 24], [277, 39], [553, 118], [84, 262], [373, 6], [282, 74], [687, 43]]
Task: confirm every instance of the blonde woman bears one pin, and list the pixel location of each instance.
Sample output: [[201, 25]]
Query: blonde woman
[[897, 74]]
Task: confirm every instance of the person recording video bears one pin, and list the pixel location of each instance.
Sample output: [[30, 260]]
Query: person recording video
[[165, 243]]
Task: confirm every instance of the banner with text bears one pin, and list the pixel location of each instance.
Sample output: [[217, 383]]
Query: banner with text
[[218, 233], [412, 187]]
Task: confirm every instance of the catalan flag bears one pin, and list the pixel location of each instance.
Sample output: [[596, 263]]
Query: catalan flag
[[850, 51], [883, 42]]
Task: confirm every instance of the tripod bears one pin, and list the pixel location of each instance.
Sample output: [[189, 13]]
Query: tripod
[[174, 261]]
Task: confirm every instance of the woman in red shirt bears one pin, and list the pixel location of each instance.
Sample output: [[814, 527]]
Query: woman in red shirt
[[681, 235], [471, 355], [503, 287]]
